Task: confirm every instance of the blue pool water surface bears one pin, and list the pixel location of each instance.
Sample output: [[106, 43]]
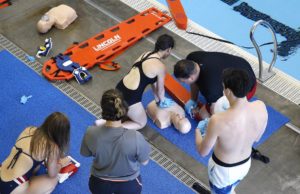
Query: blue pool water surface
[[220, 18]]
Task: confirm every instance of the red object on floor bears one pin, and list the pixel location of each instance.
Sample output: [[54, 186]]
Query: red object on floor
[[108, 44], [178, 13], [4, 3]]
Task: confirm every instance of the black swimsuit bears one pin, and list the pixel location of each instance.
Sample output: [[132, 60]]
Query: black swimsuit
[[8, 187], [135, 96]]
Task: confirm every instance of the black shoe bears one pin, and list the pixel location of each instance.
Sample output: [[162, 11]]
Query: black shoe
[[200, 189], [256, 155]]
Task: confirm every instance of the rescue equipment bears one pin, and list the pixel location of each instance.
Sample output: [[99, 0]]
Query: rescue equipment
[[178, 13], [103, 47]]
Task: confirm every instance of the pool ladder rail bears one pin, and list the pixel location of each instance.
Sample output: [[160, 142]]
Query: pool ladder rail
[[264, 74]]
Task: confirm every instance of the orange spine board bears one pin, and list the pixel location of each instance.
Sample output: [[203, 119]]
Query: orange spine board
[[178, 13], [109, 43], [176, 90]]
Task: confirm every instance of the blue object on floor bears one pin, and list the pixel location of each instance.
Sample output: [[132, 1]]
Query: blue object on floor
[[30, 58], [24, 99], [186, 142], [47, 99]]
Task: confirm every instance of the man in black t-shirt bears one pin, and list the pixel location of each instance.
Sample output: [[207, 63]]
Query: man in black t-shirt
[[203, 71]]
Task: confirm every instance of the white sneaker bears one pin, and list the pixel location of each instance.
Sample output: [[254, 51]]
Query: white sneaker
[[100, 122]]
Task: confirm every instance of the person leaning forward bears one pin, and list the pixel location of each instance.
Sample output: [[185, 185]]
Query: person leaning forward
[[203, 71]]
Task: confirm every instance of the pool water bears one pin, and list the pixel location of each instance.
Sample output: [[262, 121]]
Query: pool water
[[219, 17]]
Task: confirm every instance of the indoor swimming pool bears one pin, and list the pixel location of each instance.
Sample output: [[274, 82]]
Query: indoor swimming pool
[[233, 19]]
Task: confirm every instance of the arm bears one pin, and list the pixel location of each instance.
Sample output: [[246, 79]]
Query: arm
[[84, 149], [143, 149], [194, 92], [53, 165], [154, 89], [264, 118], [204, 145], [159, 85]]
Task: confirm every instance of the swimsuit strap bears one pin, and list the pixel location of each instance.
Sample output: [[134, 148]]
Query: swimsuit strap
[[144, 58], [19, 152], [15, 158], [24, 137]]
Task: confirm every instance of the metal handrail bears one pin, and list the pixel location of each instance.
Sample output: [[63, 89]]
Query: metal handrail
[[269, 73]]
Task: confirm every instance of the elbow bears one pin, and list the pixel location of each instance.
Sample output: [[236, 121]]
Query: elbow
[[203, 154]]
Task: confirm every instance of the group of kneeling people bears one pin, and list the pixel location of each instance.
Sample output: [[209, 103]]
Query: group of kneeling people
[[119, 149]]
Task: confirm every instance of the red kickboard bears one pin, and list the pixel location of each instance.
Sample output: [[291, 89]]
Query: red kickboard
[[178, 13], [109, 43]]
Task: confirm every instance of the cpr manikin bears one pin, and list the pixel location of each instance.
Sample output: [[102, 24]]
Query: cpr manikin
[[164, 117], [61, 17]]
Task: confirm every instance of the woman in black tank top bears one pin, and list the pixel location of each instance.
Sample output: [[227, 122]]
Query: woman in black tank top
[[148, 70], [46, 143]]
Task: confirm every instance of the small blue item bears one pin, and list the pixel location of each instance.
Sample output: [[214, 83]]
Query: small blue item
[[189, 106], [30, 58], [167, 102], [24, 99], [202, 126]]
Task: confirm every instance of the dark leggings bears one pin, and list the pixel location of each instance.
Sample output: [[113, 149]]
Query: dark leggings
[[100, 186]]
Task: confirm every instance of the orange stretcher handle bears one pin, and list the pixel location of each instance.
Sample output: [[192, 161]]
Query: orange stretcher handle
[[178, 13], [176, 90]]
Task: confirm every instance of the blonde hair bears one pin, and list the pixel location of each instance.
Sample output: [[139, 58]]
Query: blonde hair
[[113, 105]]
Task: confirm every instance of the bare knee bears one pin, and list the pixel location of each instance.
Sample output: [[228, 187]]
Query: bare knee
[[53, 183], [42, 184]]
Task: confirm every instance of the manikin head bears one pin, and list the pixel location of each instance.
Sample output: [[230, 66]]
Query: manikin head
[[186, 71], [45, 23], [182, 124]]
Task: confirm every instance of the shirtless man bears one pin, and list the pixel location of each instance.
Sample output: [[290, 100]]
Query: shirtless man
[[232, 134]]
